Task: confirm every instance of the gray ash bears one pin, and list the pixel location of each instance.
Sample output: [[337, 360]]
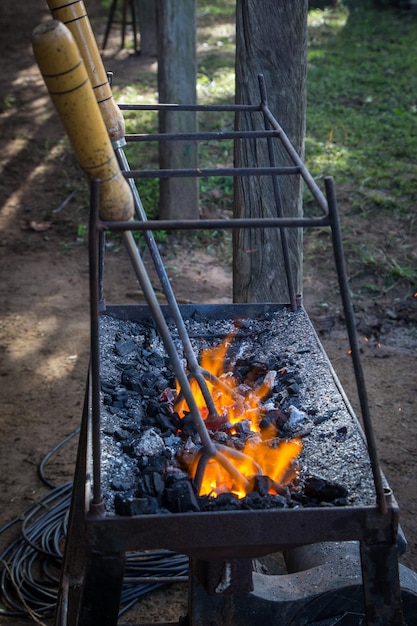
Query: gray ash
[[144, 442]]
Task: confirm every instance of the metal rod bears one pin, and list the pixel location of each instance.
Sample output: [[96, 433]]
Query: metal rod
[[167, 289], [200, 136], [94, 341], [140, 580], [307, 177], [278, 202], [190, 107], [353, 341], [102, 253], [203, 224], [163, 330], [158, 317], [216, 171]]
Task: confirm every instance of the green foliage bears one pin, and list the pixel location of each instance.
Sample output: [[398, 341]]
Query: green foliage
[[362, 113], [362, 130]]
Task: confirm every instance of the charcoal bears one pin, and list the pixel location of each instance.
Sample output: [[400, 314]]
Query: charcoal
[[323, 490], [124, 347], [120, 395], [156, 463], [223, 502], [267, 422], [151, 484], [274, 417], [293, 388], [107, 387], [164, 419], [130, 380], [158, 361], [167, 424], [342, 431], [119, 484], [187, 425], [325, 416], [255, 500], [174, 475], [150, 444], [261, 485], [215, 422], [153, 407], [120, 434], [129, 448], [220, 437], [128, 506], [138, 396], [180, 497]]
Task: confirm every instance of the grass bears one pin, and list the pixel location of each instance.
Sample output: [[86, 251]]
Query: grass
[[362, 113], [361, 128]]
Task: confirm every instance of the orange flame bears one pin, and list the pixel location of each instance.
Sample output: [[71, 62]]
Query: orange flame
[[263, 453]]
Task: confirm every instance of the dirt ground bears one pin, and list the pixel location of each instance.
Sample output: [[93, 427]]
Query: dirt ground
[[44, 320]]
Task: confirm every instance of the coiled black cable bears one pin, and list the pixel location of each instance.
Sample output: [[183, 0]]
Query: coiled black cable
[[30, 565]]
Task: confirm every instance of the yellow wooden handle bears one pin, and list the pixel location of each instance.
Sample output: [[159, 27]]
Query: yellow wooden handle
[[74, 16], [66, 78]]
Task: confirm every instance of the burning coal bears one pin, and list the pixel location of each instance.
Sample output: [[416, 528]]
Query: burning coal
[[281, 429], [241, 408]]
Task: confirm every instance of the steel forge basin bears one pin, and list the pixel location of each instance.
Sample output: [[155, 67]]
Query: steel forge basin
[[253, 533], [99, 538]]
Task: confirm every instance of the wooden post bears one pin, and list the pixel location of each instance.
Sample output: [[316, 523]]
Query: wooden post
[[271, 39], [147, 26], [177, 70]]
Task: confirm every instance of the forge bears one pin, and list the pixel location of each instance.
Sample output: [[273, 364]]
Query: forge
[[282, 465], [330, 514]]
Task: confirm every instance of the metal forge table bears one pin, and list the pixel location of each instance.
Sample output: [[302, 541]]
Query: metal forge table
[[221, 545]]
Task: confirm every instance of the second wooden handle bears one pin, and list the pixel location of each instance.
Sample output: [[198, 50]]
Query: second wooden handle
[[74, 16], [65, 76]]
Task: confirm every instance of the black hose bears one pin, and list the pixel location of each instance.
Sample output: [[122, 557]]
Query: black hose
[[30, 565]]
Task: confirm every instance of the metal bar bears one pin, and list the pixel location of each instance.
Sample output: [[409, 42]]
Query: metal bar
[[264, 222], [353, 340], [102, 589], [217, 171], [140, 580], [381, 584], [230, 534], [209, 448], [200, 136], [307, 177], [102, 254], [163, 330], [73, 564], [190, 107], [167, 288], [94, 342], [278, 204]]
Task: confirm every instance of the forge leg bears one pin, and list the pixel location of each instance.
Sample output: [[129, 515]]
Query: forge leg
[[102, 590], [217, 589], [381, 584]]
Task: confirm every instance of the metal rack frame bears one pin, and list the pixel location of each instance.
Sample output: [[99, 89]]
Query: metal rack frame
[[94, 558]]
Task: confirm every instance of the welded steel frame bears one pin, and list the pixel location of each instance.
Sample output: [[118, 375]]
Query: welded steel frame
[[96, 542]]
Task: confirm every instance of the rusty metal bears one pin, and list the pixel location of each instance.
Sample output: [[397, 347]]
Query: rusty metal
[[220, 538]]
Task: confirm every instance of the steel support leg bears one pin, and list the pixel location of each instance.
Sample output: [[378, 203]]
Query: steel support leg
[[102, 590], [381, 584]]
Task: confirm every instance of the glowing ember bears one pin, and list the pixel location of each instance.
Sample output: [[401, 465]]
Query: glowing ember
[[240, 405]]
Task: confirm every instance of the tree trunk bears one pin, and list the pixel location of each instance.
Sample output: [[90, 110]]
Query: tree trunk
[[177, 70], [271, 39]]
